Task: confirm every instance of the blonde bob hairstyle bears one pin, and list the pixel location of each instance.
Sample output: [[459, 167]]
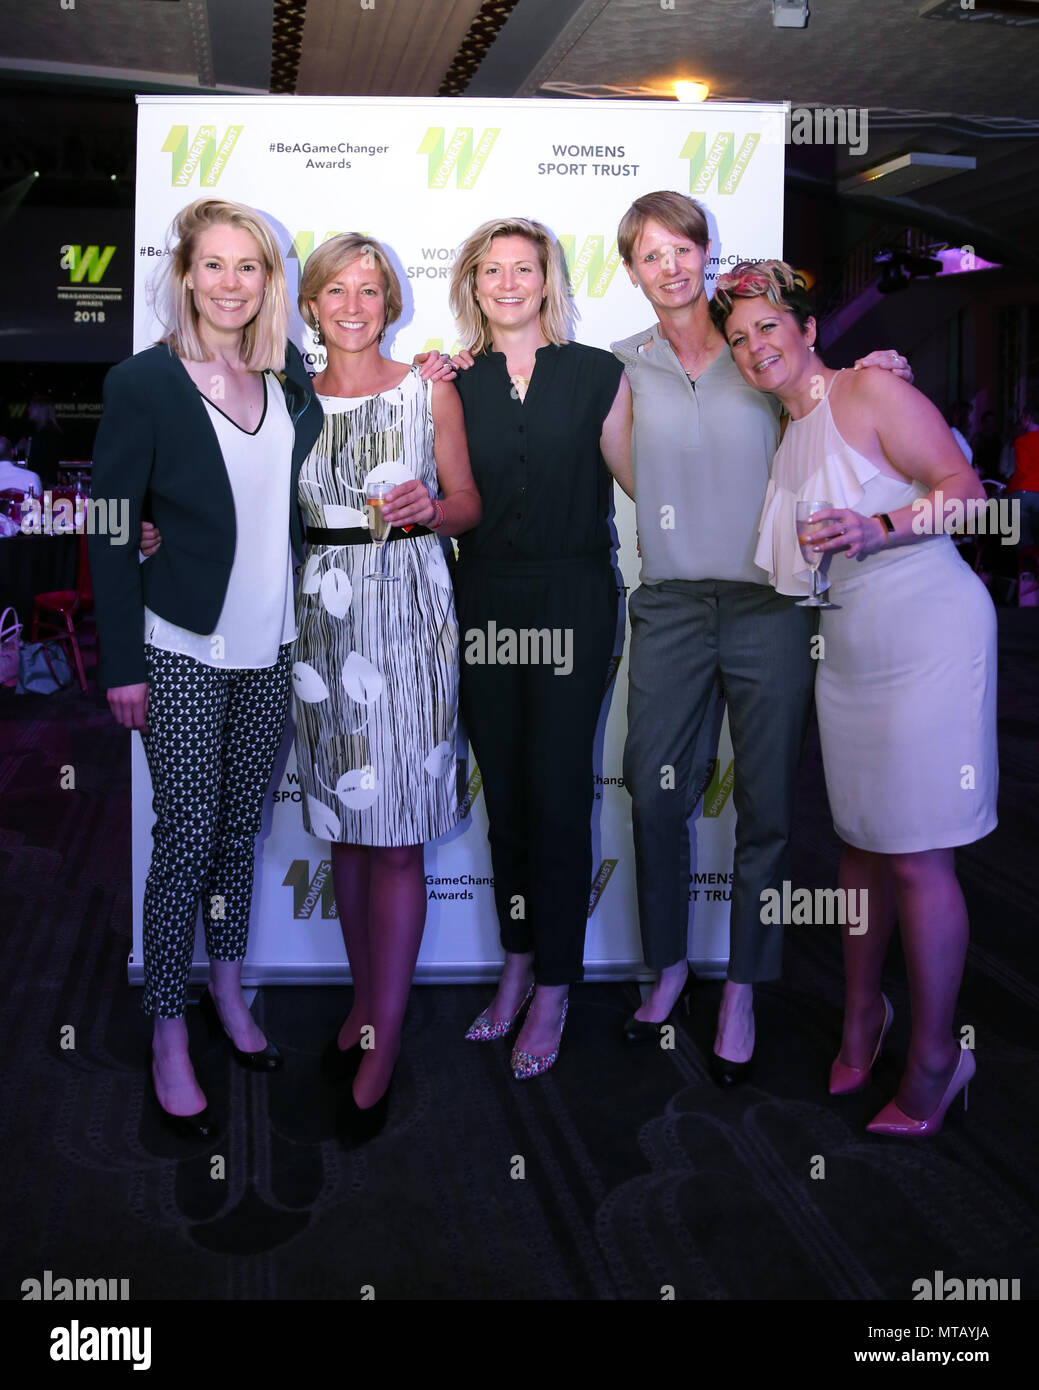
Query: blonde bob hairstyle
[[557, 308], [264, 337], [326, 261]]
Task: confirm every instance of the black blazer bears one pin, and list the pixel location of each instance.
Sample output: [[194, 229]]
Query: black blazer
[[156, 450]]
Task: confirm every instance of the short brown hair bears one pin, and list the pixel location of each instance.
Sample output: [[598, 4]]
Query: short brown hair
[[263, 340], [327, 260], [675, 211]]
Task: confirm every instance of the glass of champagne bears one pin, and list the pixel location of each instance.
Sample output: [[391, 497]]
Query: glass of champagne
[[812, 558], [374, 498]]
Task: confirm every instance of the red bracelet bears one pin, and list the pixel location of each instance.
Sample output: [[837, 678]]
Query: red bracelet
[[439, 521]]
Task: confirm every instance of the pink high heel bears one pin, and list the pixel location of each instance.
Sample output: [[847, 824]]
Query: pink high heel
[[892, 1120], [483, 1030], [845, 1079], [526, 1065]]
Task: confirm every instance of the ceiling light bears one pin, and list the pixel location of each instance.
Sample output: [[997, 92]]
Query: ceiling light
[[790, 14], [691, 91], [906, 173]]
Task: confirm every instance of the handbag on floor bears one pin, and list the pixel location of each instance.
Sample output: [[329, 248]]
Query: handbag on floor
[[43, 668], [10, 644]]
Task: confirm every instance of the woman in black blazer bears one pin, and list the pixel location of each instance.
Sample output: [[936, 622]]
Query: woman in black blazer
[[205, 434]]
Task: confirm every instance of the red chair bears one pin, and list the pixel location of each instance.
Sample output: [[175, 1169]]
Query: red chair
[[54, 614], [11, 499]]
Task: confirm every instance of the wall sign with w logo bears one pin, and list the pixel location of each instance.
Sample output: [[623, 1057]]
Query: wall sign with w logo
[[721, 159], [203, 153], [461, 153], [90, 261]]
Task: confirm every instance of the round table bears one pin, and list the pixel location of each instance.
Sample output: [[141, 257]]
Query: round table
[[31, 565]]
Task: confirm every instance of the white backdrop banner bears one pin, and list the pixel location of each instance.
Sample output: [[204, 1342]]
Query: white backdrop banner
[[419, 175]]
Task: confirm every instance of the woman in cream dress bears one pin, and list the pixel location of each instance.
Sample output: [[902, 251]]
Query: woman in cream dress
[[376, 671], [905, 689]]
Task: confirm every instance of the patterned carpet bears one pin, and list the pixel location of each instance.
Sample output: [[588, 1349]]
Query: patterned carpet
[[621, 1172]]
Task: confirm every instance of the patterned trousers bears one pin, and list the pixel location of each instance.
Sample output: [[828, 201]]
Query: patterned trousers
[[212, 738]]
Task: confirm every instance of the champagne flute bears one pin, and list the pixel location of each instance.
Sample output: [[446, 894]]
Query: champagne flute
[[812, 558], [374, 498]]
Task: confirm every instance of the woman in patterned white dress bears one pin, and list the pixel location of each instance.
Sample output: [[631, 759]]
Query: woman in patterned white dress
[[376, 672], [905, 686]]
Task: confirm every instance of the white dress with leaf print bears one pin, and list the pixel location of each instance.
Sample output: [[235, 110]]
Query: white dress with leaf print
[[375, 681]]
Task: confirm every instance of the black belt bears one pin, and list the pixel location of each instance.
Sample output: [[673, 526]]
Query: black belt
[[360, 535]]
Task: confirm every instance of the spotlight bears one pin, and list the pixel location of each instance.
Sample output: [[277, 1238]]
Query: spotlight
[[790, 14], [691, 91], [901, 267]]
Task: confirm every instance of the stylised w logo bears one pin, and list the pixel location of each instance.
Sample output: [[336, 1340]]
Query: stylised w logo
[[591, 263], [303, 246], [90, 261], [718, 789], [307, 891], [459, 153], [722, 159], [203, 153]]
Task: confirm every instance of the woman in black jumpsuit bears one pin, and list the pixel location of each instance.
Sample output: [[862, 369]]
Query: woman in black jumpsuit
[[537, 608]]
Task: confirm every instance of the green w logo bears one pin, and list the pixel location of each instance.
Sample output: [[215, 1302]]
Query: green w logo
[[592, 263], [459, 153], [722, 159], [202, 153], [90, 261], [303, 246]]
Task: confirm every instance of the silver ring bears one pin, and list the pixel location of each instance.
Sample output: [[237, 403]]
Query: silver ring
[[894, 356]]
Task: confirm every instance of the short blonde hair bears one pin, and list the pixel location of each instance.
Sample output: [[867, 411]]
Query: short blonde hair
[[326, 261], [557, 308], [779, 283], [264, 337], [679, 213]]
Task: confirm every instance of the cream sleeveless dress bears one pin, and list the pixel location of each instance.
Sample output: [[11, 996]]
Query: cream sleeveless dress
[[905, 689], [375, 679]]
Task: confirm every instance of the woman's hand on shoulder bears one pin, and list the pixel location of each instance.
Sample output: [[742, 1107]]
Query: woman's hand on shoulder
[[129, 704], [435, 366], [463, 360], [889, 360]]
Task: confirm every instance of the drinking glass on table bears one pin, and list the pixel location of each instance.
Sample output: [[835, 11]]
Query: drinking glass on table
[[374, 497], [806, 529]]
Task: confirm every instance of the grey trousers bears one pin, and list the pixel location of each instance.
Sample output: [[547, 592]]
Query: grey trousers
[[687, 639]]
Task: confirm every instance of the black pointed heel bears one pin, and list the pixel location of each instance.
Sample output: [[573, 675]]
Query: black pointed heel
[[728, 1074], [357, 1126], [268, 1059], [338, 1064], [638, 1030], [202, 1125]]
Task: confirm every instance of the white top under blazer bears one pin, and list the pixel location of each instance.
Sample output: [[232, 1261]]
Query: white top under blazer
[[258, 613]]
